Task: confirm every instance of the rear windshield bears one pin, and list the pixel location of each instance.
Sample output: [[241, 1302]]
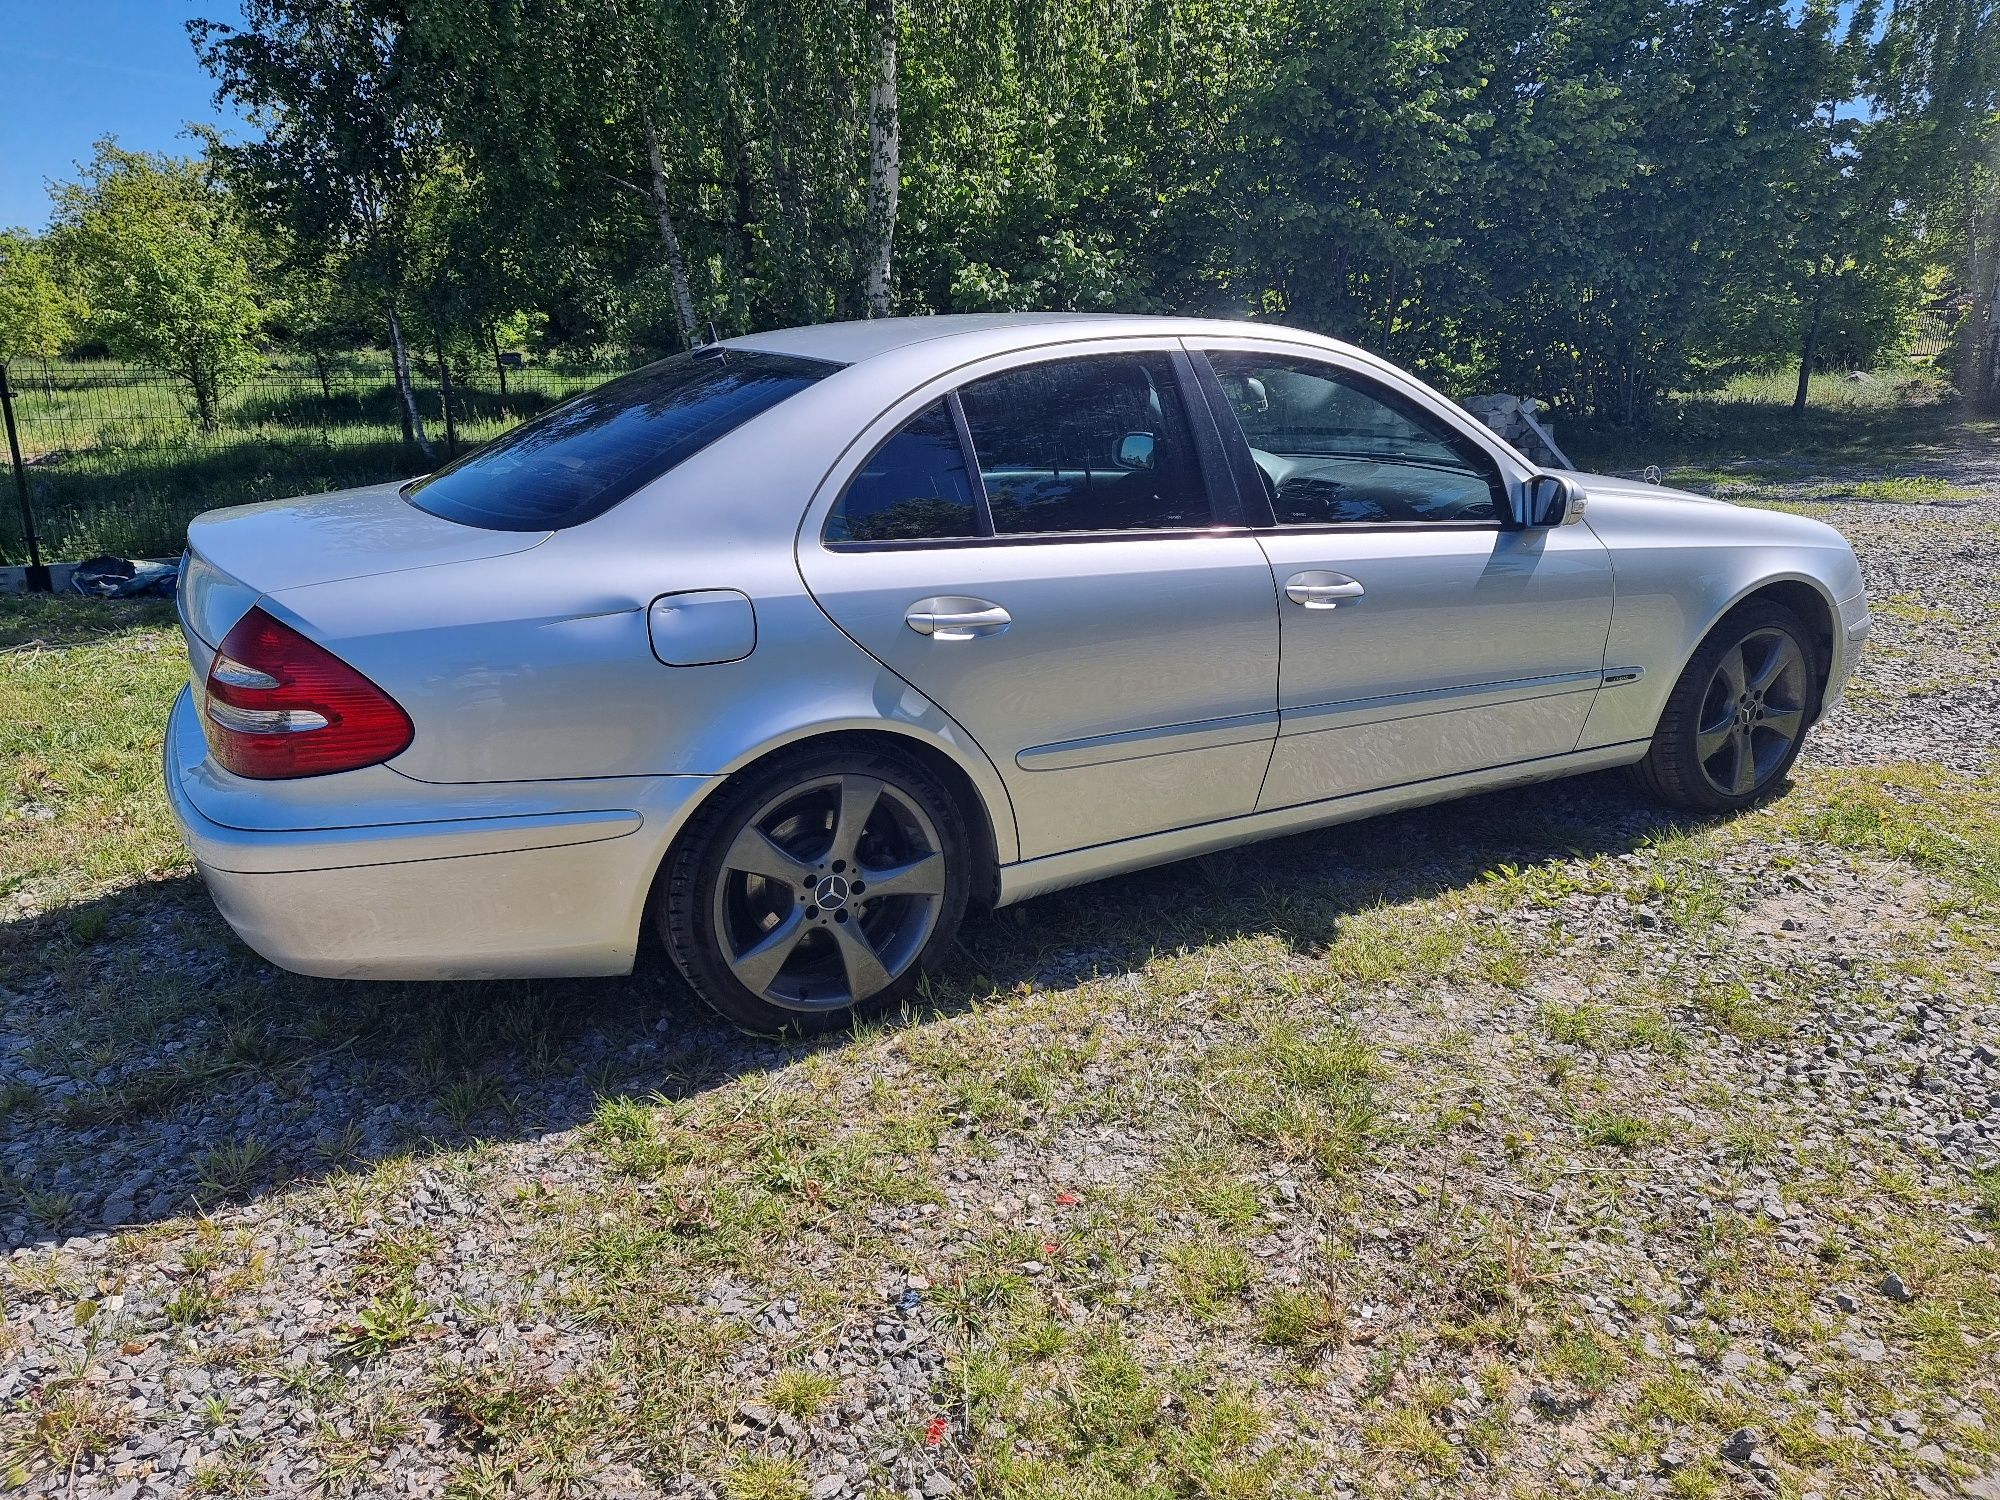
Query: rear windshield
[[579, 459]]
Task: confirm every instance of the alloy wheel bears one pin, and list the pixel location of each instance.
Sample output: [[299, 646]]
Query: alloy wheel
[[829, 892], [1753, 711]]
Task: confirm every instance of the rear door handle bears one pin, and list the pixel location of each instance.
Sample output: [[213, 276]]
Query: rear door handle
[[953, 617], [1318, 590]]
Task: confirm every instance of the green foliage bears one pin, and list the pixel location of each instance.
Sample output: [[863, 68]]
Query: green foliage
[[1607, 1128], [385, 1323], [38, 313], [1596, 205], [166, 262], [1307, 1322]]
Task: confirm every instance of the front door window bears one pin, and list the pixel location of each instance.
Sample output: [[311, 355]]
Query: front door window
[[1335, 448]]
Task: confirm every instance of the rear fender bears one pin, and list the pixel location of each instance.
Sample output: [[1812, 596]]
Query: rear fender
[[516, 671]]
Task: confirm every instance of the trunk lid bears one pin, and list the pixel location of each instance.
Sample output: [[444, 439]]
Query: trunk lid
[[236, 556]]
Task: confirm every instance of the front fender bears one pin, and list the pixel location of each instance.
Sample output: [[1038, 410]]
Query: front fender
[[1679, 565]]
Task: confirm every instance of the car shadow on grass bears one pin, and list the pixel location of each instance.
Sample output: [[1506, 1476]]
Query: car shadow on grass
[[151, 1066]]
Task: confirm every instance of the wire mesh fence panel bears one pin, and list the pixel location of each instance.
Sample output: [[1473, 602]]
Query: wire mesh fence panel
[[118, 462]]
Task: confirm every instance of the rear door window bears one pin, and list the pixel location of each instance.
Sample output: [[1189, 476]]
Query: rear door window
[[579, 459], [913, 488], [1100, 443]]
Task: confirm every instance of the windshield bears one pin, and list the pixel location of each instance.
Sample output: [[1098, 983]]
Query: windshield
[[579, 459]]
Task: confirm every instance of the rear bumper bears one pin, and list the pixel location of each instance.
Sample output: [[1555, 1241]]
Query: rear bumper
[[412, 880]]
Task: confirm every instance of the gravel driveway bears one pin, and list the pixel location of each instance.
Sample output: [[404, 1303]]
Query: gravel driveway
[[1536, 1145]]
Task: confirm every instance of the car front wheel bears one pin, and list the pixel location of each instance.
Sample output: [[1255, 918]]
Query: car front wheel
[[816, 886], [1737, 717]]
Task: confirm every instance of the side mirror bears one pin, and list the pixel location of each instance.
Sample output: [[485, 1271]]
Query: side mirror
[[1135, 451], [1551, 500]]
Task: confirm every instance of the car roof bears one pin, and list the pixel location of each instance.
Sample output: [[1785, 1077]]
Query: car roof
[[851, 343]]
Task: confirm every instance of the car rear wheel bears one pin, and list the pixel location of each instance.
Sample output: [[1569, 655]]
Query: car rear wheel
[[1737, 717], [817, 886]]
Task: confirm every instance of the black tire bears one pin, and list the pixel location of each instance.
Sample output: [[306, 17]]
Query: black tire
[[1721, 743], [808, 909]]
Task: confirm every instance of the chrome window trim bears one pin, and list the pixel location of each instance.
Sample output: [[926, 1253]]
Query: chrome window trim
[[1373, 528]]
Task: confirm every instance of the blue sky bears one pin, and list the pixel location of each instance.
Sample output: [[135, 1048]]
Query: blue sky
[[74, 70]]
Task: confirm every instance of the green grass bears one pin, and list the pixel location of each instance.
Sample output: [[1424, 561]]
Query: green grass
[[1221, 1180], [1745, 432], [803, 1393], [385, 1323], [80, 722], [761, 1477], [117, 464], [1944, 824], [1905, 489], [1305, 1321], [1609, 1128]]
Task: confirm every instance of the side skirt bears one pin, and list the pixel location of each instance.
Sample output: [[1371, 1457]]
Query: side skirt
[[1052, 872]]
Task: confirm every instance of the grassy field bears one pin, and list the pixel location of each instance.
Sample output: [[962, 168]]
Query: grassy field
[[118, 465], [1540, 1146], [1907, 415]]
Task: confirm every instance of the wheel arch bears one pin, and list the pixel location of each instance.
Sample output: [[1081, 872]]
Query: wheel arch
[[1805, 597], [992, 838]]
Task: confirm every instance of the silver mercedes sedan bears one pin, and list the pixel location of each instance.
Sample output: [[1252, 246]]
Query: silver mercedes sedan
[[794, 646]]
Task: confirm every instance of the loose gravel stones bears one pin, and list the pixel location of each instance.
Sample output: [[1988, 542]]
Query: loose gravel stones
[[1595, 1236]]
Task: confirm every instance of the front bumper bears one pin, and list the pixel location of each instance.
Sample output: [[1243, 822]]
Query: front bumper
[[402, 879], [1850, 634]]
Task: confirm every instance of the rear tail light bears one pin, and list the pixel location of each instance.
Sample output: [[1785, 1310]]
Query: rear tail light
[[281, 706]]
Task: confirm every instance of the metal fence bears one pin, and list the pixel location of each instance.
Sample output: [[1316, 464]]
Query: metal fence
[[114, 460], [1928, 335]]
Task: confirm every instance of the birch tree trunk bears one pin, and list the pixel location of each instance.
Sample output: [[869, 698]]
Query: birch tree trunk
[[796, 227], [885, 159], [399, 355], [1989, 354], [1810, 350], [656, 188]]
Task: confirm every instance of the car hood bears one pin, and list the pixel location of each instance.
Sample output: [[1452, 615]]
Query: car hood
[[1630, 512], [1633, 489]]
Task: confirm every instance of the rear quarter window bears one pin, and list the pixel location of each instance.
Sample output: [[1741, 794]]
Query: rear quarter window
[[581, 458]]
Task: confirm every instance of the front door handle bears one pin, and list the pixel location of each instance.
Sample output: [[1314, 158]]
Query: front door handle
[[952, 617], [1317, 590]]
